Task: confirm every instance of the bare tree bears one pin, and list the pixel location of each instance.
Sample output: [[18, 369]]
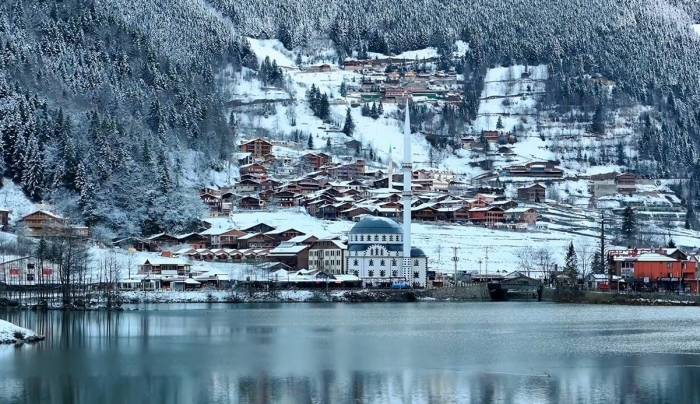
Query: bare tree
[[544, 260], [110, 273], [585, 258], [526, 259], [70, 254]]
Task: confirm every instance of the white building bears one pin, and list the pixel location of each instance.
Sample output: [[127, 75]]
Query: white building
[[375, 254], [328, 256]]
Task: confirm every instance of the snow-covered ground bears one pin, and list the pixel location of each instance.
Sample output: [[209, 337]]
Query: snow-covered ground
[[12, 198], [8, 330], [496, 249], [510, 93]]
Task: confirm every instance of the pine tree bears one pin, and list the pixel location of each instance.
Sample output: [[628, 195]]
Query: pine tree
[[343, 89], [310, 142], [164, 179], [571, 261], [597, 264], [373, 111], [621, 157], [499, 123], [323, 107], [380, 109], [484, 142], [349, 126], [365, 109], [298, 60], [33, 170], [629, 225], [598, 124], [328, 144]]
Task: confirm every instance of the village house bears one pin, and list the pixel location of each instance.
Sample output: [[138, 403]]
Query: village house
[[532, 193], [42, 223], [221, 238], [521, 215], [347, 171], [164, 266], [626, 183], [247, 186], [256, 240], [486, 216], [328, 256], [294, 255], [283, 234], [668, 269], [286, 199], [212, 201], [316, 160], [258, 148], [251, 203], [253, 169]]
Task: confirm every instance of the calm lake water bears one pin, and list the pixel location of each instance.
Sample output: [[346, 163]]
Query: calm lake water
[[342, 353]]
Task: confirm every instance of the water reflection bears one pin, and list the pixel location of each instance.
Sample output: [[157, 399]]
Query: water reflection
[[427, 353]]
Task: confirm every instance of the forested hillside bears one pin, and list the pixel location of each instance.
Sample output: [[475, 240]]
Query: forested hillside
[[111, 109], [98, 106]]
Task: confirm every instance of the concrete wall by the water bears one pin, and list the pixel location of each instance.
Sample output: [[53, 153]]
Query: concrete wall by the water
[[475, 291]]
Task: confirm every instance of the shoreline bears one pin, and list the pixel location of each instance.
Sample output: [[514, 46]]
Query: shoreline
[[472, 293]]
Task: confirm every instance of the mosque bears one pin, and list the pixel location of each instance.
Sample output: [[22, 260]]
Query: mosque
[[379, 249]]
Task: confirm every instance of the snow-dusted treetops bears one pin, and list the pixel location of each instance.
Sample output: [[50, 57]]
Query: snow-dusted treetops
[[111, 109]]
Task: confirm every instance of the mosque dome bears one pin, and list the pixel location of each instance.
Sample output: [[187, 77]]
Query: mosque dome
[[376, 225]]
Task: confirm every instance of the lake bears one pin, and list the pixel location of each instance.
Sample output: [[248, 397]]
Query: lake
[[357, 353]]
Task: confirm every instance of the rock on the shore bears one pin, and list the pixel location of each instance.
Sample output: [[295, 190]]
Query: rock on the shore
[[12, 334]]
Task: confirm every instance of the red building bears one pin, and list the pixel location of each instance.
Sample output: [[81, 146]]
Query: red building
[[658, 269], [487, 215]]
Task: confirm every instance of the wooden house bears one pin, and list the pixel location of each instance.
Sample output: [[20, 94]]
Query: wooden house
[[532, 193], [487, 215], [251, 203], [258, 148], [626, 183]]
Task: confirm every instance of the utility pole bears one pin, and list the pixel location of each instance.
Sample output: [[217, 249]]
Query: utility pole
[[455, 259], [486, 262], [603, 258]]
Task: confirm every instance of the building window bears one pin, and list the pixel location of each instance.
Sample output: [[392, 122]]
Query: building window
[[362, 238], [416, 275], [370, 273], [382, 263], [415, 263], [382, 273], [371, 263], [391, 238], [393, 262], [376, 237], [384, 237], [394, 273], [354, 262], [357, 273]]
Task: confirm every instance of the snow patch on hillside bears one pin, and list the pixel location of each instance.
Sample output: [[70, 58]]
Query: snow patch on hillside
[[273, 49], [510, 93], [12, 198]]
